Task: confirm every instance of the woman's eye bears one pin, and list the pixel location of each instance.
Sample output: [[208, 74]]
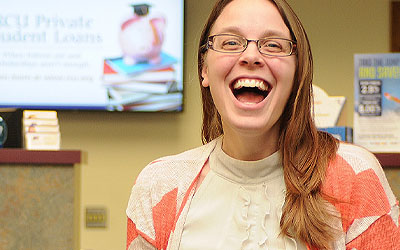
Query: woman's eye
[[231, 43], [271, 45]]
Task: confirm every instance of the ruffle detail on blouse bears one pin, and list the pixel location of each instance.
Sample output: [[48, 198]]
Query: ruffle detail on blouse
[[241, 215], [263, 240], [255, 233], [255, 236]]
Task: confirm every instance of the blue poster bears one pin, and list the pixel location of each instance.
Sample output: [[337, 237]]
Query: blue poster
[[377, 101]]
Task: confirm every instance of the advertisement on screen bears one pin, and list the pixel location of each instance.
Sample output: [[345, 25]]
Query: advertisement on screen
[[92, 55]]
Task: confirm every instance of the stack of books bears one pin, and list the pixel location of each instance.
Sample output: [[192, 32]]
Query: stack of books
[[342, 133], [41, 130], [142, 86]]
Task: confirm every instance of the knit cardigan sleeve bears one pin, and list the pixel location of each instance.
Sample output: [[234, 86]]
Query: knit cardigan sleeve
[[367, 206], [159, 195]]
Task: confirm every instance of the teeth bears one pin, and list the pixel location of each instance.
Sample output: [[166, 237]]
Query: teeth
[[251, 83]]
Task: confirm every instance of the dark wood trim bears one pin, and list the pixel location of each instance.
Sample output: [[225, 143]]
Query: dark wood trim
[[389, 159], [22, 156], [395, 26], [70, 157]]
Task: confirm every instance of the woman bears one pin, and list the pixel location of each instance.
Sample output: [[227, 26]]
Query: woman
[[265, 178]]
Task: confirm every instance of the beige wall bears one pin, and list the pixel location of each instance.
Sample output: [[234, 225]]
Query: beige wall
[[117, 146], [337, 30]]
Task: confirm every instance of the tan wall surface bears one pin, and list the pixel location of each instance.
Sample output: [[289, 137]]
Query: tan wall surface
[[337, 30], [117, 146]]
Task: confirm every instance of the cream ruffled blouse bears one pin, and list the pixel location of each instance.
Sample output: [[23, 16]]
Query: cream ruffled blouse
[[238, 206]]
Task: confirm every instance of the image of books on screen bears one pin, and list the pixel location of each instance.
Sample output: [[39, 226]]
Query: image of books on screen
[[144, 82]]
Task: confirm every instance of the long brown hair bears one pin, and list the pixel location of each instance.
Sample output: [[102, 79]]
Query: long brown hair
[[306, 152]]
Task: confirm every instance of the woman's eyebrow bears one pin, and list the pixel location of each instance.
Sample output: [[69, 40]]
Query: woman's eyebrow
[[231, 29], [276, 33], [267, 33]]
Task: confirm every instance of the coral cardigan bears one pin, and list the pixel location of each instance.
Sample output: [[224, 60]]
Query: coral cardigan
[[161, 196]]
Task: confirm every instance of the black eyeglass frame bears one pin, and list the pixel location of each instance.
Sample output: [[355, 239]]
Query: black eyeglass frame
[[210, 41]]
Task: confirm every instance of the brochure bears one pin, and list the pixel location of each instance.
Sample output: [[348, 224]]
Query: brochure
[[377, 101]]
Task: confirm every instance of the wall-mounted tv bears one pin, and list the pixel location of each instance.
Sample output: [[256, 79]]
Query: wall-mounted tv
[[120, 55]]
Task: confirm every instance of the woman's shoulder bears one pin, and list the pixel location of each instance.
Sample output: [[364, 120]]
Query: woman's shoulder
[[358, 158], [353, 162], [356, 174], [194, 154], [170, 167]]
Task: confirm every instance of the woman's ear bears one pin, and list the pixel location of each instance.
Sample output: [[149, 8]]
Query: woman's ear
[[204, 74]]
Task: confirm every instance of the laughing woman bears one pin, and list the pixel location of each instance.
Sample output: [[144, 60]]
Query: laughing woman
[[265, 178]]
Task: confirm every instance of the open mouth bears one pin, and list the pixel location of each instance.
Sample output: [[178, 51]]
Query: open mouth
[[250, 91]]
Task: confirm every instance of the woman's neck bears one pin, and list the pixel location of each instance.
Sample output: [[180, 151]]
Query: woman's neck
[[249, 147]]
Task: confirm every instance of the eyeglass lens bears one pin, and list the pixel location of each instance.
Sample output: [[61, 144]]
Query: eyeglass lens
[[235, 44]]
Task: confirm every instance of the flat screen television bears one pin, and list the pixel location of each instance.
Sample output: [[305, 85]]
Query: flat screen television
[[120, 55]]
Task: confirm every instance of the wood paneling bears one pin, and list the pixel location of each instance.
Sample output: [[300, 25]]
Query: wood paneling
[[395, 26]]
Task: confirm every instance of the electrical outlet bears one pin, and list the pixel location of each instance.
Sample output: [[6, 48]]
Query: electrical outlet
[[96, 217]]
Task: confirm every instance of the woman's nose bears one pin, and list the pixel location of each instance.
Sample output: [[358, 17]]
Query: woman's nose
[[251, 56]]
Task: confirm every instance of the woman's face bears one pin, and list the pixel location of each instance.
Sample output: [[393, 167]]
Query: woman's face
[[252, 111]]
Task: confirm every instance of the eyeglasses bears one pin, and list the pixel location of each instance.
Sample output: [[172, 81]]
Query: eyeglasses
[[228, 43]]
